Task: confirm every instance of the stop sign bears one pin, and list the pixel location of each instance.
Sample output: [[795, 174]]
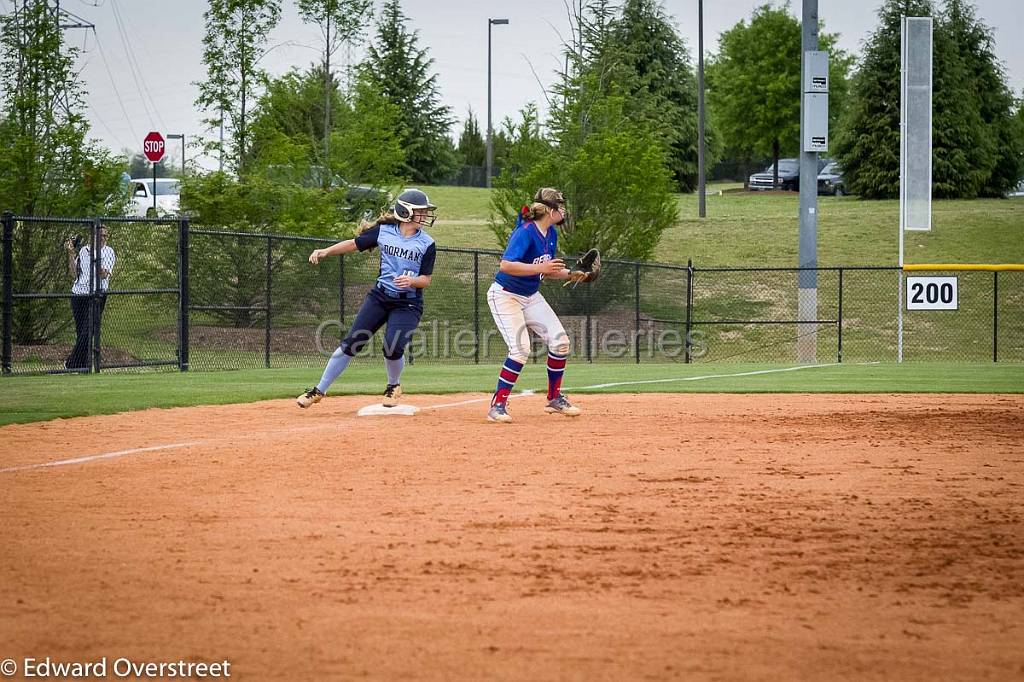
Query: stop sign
[[153, 146]]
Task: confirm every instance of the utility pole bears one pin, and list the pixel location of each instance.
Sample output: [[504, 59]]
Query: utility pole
[[702, 210], [810, 141]]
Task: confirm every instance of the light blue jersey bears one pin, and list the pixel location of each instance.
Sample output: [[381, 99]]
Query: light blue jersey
[[399, 255], [527, 245]]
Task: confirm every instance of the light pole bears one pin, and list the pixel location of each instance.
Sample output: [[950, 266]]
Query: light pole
[[701, 170], [182, 138], [490, 132]]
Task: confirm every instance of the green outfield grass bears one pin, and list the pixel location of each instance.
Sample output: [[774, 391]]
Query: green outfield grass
[[29, 399], [760, 229]]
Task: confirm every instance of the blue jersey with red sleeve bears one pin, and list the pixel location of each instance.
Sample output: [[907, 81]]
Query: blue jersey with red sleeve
[[527, 245]]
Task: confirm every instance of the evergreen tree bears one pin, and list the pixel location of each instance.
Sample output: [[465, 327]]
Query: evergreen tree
[[472, 148], [288, 134], [141, 167], [1003, 147], [868, 143], [400, 71], [963, 150], [287, 125], [367, 144], [657, 76], [975, 147], [611, 163]]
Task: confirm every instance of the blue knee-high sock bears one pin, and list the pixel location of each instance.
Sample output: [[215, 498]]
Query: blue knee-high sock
[[395, 369], [335, 366]]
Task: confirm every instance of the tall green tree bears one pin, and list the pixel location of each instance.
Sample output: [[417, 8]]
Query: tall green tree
[[233, 45], [50, 166], [754, 84], [339, 21], [868, 143], [963, 151], [397, 68], [287, 133], [973, 147], [472, 148], [657, 76], [612, 165], [287, 124], [1002, 147], [368, 138]]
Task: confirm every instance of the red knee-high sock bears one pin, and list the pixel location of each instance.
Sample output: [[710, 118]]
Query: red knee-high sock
[[556, 368], [506, 380]]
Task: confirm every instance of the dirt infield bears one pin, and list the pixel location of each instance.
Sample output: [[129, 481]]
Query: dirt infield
[[698, 537]]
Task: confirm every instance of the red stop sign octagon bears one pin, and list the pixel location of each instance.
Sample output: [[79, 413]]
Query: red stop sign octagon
[[153, 146]]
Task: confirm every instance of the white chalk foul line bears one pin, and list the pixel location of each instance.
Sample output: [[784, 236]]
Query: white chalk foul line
[[105, 455], [645, 381], [705, 376], [521, 394]]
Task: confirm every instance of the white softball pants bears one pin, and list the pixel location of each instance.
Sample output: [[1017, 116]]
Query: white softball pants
[[516, 316]]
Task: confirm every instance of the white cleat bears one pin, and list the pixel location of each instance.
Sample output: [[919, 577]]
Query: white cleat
[[499, 413], [561, 405], [310, 397], [392, 393]]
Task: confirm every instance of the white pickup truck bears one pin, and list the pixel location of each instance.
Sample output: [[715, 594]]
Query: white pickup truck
[[168, 197]]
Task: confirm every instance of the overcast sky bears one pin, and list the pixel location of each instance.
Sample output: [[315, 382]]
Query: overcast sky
[[162, 39]]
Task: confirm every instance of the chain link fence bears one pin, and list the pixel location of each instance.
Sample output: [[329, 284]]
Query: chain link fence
[[187, 297]]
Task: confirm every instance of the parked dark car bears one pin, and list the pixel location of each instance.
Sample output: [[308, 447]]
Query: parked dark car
[[361, 201], [830, 180], [789, 175]]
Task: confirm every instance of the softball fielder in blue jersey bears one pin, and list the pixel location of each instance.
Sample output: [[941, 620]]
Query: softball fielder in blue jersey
[[519, 308], [407, 256]]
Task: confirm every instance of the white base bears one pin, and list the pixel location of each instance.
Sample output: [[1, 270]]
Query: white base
[[378, 410]]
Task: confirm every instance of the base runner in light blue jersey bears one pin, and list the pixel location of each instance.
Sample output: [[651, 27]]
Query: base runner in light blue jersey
[[407, 255]]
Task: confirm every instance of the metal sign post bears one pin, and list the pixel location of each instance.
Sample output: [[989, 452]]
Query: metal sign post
[[153, 146]]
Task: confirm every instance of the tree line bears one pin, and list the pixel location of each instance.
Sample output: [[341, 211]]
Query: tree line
[[626, 99], [619, 136]]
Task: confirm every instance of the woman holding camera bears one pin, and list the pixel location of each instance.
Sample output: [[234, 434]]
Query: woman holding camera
[[80, 271]]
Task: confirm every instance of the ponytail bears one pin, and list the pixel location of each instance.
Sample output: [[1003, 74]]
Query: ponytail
[[385, 218], [544, 201]]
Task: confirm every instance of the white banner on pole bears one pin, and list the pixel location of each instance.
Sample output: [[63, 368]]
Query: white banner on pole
[[916, 124], [915, 139]]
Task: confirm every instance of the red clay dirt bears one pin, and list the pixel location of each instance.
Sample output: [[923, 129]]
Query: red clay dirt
[[698, 537]]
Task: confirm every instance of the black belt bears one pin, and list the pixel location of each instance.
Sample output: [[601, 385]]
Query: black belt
[[392, 294]]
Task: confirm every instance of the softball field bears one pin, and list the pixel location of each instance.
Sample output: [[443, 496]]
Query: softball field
[[658, 536]]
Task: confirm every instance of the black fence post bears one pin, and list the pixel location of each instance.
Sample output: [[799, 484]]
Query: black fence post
[[636, 306], [476, 306], [96, 258], [689, 306], [341, 296], [267, 303], [8, 290], [839, 321], [995, 316], [183, 293], [588, 332]]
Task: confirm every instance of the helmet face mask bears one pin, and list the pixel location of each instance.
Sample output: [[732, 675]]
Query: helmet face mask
[[413, 206], [555, 201]]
